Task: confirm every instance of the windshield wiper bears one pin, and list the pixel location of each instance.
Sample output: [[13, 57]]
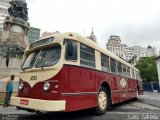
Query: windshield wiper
[[43, 60], [24, 69]]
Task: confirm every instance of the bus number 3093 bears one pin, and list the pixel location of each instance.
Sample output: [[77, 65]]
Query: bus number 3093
[[33, 78]]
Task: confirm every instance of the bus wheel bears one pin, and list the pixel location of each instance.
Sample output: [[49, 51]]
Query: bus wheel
[[137, 94], [102, 101]]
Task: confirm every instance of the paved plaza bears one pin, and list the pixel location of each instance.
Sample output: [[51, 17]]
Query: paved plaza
[[147, 107]]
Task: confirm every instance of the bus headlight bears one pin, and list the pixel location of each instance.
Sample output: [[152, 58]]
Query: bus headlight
[[46, 86], [20, 86]]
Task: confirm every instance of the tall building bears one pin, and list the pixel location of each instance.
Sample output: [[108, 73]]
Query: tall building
[[92, 37], [127, 53], [33, 34], [4, 5]]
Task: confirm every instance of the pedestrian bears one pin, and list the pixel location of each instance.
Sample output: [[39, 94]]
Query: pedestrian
[[9, 90]]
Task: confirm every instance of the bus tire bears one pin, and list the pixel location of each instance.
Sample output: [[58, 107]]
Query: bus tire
[[137, 95], [103, 102]]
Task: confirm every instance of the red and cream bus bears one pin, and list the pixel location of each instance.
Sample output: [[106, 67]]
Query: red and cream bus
[[68, 72]]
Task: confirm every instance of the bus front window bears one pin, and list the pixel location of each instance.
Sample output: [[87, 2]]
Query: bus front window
[[30, 60], [48, 56], [42, 58]]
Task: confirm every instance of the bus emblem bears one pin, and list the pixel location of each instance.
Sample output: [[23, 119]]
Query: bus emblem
[[123, 83]]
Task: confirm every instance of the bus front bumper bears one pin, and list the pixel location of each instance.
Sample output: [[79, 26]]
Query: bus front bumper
[[37, 104]]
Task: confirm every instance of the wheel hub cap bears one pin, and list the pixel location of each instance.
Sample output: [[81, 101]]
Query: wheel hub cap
[[102, 100]]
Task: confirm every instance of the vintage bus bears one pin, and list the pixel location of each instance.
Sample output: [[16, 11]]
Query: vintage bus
[[68, 72]]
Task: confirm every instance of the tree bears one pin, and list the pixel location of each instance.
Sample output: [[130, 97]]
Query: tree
[[132, 60], [147, 68]]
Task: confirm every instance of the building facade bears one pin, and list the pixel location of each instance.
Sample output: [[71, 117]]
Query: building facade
[[33, 34], [4, 5], [128, 53]]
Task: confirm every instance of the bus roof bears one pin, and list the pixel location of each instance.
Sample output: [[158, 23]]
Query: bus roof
[[88, 42]]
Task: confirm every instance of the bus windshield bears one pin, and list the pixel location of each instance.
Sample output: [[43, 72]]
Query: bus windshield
[[42, 58]]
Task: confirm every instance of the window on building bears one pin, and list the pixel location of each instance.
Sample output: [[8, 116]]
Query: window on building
[[87, 56], [113, 65], [105, 62], [71, 50]]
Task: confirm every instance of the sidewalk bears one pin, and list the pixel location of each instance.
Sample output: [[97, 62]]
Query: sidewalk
[[150, 98], [151, 95]]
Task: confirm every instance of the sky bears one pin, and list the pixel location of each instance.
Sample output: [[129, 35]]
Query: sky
[[137, 22]]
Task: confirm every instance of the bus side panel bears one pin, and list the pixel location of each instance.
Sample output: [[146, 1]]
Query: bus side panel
[[74, 103], [115, 97], [79, 89], [114, 87], [80, 80], [120, 93]]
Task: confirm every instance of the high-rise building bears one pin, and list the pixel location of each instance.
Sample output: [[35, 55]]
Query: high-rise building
[[92, 36], [33, 34], [4, 5], [127, 53]]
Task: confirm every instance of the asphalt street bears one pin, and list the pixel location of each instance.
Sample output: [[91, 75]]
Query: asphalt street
[[146, 108]]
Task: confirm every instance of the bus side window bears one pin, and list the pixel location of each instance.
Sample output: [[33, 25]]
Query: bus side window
[[71, 50], [128, 71], [119, 66], [105, 63], [124, 70], [87, 56], [113, 65], [133, 75]]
